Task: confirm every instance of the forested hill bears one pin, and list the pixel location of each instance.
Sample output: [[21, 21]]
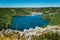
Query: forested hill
[[25, 11]]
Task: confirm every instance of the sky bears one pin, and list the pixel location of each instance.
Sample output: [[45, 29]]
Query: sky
[[29, 3]]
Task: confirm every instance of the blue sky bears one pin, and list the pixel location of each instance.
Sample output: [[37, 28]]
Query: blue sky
[[29, 3]]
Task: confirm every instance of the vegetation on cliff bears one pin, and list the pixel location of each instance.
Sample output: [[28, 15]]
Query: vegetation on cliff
[[54, 19]]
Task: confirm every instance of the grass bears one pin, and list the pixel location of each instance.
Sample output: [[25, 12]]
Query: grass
[[48, 36], [11, 36], [14, 36]]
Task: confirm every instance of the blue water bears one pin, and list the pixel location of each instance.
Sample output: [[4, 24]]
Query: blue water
[[26, 22]]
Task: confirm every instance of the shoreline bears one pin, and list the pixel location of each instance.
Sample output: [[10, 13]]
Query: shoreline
[[35, 29]]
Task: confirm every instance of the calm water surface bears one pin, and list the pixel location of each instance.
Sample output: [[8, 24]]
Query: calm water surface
[[26, 22]]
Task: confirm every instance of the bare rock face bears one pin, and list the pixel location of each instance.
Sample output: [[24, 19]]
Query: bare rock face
[[27, 34]]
